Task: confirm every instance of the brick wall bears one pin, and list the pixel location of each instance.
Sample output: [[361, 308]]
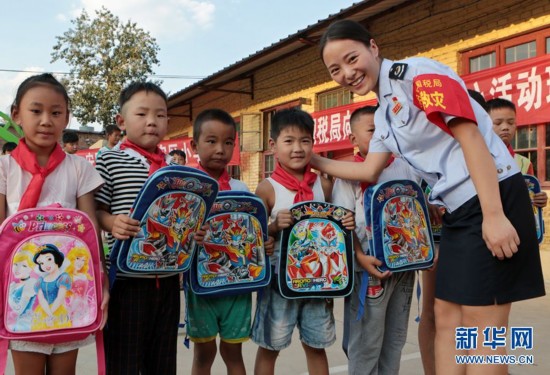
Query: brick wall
[[431, 28]]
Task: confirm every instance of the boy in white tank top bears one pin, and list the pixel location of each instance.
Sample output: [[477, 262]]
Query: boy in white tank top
[[292, 182]]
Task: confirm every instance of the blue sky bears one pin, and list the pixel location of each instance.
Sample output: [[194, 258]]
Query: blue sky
[[196, 37]]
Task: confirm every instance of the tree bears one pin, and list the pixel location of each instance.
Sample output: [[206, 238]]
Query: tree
[[103, 55]]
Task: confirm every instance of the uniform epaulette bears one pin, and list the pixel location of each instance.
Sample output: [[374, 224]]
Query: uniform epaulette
[[398, 70]]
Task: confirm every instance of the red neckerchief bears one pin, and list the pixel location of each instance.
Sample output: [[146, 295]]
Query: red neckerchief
[[156, 159], [28, 162], [511, 150], [223, 181], [303, 189], [358, 158]]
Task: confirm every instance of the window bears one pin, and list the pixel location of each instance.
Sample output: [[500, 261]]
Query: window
[[269, 165], [334, 98], [521, 52], [506, 51], [525, 143], [483, 62]]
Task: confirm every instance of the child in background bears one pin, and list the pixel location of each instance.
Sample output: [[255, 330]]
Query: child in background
[[503, 114], [292, 182], [374, 341], [426, 117], [29, 177], [214, 133], [8, 147], [142, 331], [70, 142], [178, 157], [113, 134]]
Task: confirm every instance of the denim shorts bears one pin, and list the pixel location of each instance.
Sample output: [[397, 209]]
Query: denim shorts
[[276, 318]]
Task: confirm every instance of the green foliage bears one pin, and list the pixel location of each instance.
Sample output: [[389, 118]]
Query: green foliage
[[4, 130], [104, 55]]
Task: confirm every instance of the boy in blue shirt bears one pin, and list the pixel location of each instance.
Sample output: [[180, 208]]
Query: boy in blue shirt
[[373, 341]]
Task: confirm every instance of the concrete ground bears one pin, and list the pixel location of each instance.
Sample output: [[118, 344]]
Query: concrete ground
[[533, 313]]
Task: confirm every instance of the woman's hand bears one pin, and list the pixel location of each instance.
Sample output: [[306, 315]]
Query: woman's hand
[[500, 236]]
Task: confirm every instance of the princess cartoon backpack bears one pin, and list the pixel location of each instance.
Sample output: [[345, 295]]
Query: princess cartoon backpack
[[51, 258], [316, 258], [232, 259], [398, 226], [172, 204]]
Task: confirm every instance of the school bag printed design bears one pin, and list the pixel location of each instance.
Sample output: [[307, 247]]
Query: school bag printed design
[[171, 206], [533, 186], [398, 226], [51, 278], [316, 253], [232, 259]]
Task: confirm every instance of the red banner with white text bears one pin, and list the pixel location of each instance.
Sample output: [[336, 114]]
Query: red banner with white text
[[332, 128], [183, 143], [526, 83]]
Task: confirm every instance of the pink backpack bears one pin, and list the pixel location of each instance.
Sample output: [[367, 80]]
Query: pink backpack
[[49, 255]]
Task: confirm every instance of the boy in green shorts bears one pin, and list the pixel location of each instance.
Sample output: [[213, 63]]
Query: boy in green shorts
[[214, 133]]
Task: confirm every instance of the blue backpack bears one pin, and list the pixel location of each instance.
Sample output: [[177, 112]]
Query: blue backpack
[[171, 206], [232, 259], [316, 258], [533, 186], [398, 226]]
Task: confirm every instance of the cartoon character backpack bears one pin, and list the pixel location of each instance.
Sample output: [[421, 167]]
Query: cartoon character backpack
[[398, 226], [50, 254], [533, 186], [232, 259], [316, 258], [172, 204]]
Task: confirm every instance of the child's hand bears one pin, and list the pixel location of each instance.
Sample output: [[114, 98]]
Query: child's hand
[[125, 227], [200, 234], [283, 220], [269, 246], [105, 300], [540, 199], [348, 221], [500, 236], [436, 258], [369, 263], [435, 214]]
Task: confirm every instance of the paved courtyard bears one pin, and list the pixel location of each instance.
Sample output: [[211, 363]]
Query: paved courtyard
[[532, 313]]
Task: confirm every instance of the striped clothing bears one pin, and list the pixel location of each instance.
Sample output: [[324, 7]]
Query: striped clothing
[[132, 343], [125, 173]]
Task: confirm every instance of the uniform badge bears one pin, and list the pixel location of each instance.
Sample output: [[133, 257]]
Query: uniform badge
[[398, 70], [396, 105]]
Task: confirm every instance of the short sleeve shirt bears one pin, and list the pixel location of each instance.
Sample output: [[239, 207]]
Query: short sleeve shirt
[[403, 128], [73, 178]]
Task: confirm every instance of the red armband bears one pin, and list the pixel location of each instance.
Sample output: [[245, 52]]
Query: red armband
[[437, 94]]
